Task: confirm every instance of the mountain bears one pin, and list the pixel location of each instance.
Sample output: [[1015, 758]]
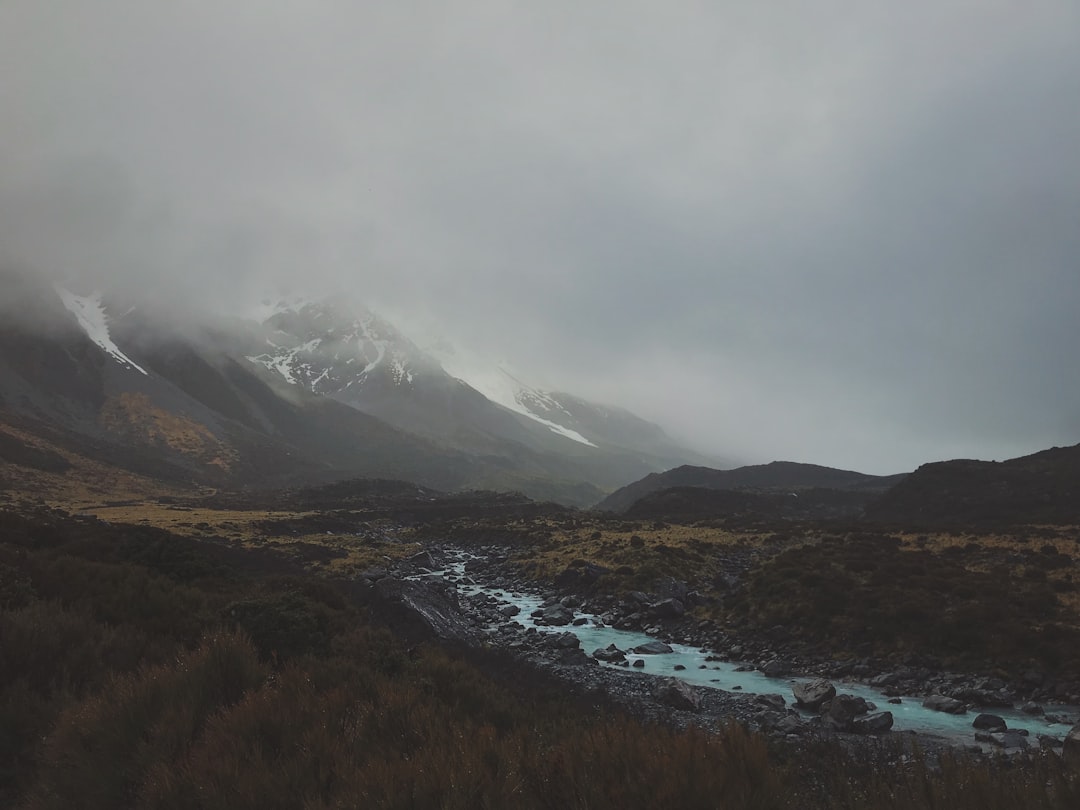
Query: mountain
[[1041, 488], [313, 393], [355, 357], [79, 383], [777, 477]]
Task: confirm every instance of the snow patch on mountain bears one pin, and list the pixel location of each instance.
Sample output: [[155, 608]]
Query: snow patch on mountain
[[90, 314], [330, 348], [502, 387]]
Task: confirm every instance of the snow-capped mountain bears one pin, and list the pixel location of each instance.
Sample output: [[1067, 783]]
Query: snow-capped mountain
[[354, 356], [330, 349], [315, 391]]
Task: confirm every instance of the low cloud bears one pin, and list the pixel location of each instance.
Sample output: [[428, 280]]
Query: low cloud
[[837, 235]]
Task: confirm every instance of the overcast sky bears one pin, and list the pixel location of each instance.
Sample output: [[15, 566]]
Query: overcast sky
[[838, 232]]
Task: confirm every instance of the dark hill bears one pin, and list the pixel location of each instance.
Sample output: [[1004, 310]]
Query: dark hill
[[687, 504], [776, 477], [1040, 488]]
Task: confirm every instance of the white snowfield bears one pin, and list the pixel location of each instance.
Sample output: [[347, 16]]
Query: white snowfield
[[91, 317], [503, 388]]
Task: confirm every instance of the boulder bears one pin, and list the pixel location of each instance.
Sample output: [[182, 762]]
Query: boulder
[[775, 668], [422, 560], [989, 722], [653, 648], [842, 712], [941, 703], [557, 616], [677, 694], [610, 653], [876, 723], [509, 611], [773, 701], [813, 694]]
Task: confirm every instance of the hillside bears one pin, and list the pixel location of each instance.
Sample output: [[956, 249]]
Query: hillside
[[777, 476], [1041, 488]]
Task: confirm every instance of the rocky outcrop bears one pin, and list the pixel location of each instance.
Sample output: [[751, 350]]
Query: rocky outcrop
[[434, 602]]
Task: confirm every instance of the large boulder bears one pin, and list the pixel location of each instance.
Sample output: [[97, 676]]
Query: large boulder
[[557, 616], [677, 694], [812, 694], [941, 703], [775, 668], [843, 709], [653, 648], [610, 653], [876, 723]]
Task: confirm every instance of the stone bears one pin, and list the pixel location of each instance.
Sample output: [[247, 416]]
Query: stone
[[775, 668], [557, 616], [773, 701], [941, 703], [653, 648], [678, 694], [842, 712], [1034, 709], [422, 560], [507, 611], [610, 653], [876, 723], [567, 641], [812, 694], [989, 722], [639, 663]]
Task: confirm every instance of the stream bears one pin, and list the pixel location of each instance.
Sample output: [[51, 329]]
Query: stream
[[689, 664]]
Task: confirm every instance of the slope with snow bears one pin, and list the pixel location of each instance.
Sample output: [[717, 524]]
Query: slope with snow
[[330, 349], [90, 314]]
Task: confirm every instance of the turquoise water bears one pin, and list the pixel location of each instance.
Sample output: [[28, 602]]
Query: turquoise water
[[909, 715]]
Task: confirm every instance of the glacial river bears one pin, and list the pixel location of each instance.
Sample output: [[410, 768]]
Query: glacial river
[[908, 715]]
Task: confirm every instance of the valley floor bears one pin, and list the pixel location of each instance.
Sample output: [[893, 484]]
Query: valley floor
[[241, 651]]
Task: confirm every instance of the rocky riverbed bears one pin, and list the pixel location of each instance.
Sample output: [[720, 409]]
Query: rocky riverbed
[[475, 598]]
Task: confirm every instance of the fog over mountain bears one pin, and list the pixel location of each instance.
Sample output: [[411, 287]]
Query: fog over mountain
[[829, 232]]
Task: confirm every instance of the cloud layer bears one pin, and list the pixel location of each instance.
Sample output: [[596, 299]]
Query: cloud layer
[[846, 233]]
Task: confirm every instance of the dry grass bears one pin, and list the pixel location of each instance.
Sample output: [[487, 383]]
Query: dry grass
[[635, 552]]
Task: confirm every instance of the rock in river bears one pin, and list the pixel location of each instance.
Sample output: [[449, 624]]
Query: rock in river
[[812, 694], [557, 616], [940, 703], [653, 648]]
